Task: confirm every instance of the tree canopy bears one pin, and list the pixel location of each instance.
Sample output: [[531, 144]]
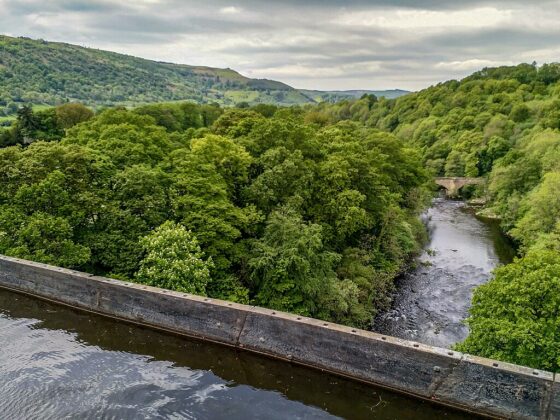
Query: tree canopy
[[252, 204]]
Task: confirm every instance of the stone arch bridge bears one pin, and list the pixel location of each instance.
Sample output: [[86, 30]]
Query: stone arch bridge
[[452, 185]]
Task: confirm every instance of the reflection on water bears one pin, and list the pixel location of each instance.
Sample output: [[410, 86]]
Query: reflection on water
[[57, 363], [432, 301]]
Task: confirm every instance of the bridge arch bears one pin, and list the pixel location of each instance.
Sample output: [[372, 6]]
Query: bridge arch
[[452, 185]]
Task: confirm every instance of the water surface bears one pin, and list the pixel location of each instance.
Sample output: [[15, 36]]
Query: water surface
[[58, 363], [432, 301]]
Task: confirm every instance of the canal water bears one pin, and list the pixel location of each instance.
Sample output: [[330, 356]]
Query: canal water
[[431, 302], [58, 363]]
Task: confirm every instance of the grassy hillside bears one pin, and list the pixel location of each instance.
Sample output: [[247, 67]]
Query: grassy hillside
[[40, 72]]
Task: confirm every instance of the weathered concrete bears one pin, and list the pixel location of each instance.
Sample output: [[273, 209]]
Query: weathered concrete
[[452, 185], [479, 385], [356, 353], [554, 410], [498, 388]]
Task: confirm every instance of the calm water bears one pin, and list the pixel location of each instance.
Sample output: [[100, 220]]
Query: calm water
[[432, 301], [57, 363]]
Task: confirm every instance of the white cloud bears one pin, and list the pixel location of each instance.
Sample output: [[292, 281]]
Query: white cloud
[[426, 19], [471, 65], [230, 10]]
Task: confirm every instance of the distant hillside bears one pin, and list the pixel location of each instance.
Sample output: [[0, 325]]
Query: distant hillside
[[40, 72], [49, 73], [339, 95]]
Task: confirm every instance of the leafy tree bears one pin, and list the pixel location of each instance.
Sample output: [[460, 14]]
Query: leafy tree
[[126, 138], [230, 159], [541, 210], [68, 115], [174, 260], [515, 317], [27, 123], [41, 237], [519, 113], [200, 199], [290, 267]]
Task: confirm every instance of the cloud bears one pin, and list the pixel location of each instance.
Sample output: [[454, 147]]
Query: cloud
[[470, 65], [230, 10], [326, 44]]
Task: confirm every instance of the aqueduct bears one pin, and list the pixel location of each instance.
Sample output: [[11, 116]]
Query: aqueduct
[[453, 184]]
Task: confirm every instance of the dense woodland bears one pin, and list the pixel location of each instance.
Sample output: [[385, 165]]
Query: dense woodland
[[310, 209], [252, 205], [503, 124]]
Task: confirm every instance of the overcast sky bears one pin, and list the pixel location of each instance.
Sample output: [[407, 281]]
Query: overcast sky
[[322, 44]]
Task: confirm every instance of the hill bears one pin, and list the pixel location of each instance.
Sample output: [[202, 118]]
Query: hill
[[50, 73], [41, 72]]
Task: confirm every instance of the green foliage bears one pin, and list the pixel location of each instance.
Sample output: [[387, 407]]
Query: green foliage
[[68, 115], [290, 267], [47, 125], [362, 289], [315, 220], [515, 317], [174, 260], [519, 113], [500, 123], [456, 124], [540, 209], [43, 238]]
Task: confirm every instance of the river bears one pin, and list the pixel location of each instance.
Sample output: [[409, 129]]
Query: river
[[431, 301], [58, 363]]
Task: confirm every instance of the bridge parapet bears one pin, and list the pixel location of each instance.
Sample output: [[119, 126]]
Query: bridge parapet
[[452, 185]]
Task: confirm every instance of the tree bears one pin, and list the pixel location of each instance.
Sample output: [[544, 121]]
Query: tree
[[70, 114], [125, 137], [515, 317], [40, 237], [200, 200], [290, 267], [230, 159], [173, 260], [519, 113], [370, 98], [26, 124], [541, 210]]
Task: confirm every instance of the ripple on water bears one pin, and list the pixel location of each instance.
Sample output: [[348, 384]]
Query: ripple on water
[[433, 300], [71, 365], [49, 374]]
